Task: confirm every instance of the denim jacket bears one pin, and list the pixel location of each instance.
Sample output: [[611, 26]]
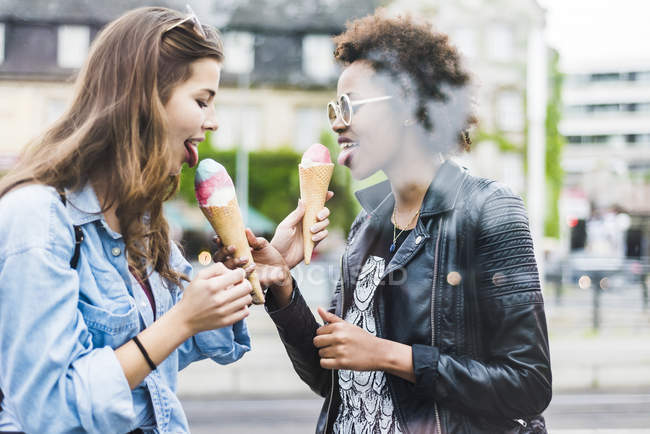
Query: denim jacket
[[59, 326]]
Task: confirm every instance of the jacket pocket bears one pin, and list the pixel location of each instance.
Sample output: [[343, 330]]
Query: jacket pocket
[[108, 328]]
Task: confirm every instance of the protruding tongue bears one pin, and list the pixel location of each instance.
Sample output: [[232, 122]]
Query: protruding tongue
[[316, 153], [211, 179]]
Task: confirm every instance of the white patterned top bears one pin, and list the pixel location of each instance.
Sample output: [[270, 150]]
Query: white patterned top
[[366, 404]]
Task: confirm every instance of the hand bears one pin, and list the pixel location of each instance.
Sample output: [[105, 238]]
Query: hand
[[271, 268], [226, 255], [288, 239], [343, 345], [217, 297]]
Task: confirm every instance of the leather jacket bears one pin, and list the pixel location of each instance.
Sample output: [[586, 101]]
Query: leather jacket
[[467, 300]]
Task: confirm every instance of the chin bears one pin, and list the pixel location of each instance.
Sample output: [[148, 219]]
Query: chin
[[361, 173]]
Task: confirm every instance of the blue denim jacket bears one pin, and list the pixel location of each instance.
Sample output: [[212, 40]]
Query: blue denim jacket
[[59, 325]]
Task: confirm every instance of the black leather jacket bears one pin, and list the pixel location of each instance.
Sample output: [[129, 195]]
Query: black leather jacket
[[469, 305]]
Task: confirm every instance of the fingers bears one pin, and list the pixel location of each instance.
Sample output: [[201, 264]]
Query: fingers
[[223, 253], [213, 270], [295, 216], [236, 316], [230, 277], [324, 340], [328, 317], [320, 226], [330, 194], [257, 243], [323, 214], [320, 236], [235, 298]]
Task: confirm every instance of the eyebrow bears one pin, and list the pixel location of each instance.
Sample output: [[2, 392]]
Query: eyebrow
[[209, 91]]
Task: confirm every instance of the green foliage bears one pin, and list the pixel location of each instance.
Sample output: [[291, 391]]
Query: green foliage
[[554, 146], [500, 139], [273, 183]]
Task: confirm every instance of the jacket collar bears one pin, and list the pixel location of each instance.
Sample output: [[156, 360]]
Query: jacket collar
[[440, 197], [83, 207]]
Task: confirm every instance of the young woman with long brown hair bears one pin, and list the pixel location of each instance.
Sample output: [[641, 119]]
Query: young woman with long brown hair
[[97, 312]]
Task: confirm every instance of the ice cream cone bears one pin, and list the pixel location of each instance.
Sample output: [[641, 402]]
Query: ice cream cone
[[228, 224], [314, 182]]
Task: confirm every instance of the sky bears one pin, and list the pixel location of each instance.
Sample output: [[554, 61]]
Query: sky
[[599, 31]]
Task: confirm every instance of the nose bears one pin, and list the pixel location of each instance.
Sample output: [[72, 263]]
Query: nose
[[210, 122], [338, 126]]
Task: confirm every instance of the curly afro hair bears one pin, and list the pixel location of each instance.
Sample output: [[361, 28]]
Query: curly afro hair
[[426, 66]]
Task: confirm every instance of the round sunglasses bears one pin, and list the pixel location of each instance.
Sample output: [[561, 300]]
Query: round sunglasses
[[343, 108]]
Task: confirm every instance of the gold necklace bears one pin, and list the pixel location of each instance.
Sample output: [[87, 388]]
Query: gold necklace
[[395, 237]]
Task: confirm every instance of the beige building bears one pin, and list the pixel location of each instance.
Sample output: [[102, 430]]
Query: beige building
[[493, 36], [278, 76]]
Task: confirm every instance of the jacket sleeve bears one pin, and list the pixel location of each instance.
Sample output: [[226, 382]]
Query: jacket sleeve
[[53, 379], [513, 380], [297, 328]]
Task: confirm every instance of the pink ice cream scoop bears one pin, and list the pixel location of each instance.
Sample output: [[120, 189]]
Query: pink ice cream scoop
[[316, 154]]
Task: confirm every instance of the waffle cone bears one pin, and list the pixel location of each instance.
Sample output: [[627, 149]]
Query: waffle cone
[[228, 224], [314, 182]]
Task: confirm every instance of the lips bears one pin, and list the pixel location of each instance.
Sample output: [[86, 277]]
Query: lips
[[191, 153]]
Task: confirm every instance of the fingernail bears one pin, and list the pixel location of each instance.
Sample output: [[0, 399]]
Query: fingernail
[[243, 258], [313, 229]]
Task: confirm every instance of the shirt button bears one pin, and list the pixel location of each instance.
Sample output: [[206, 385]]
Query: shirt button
[[418, 240], [116, 251]]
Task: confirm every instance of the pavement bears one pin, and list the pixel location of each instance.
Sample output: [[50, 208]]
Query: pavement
[[601, 378], [568, 414]]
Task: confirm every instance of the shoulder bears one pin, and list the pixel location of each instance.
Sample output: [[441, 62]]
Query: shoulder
[[33, 216]]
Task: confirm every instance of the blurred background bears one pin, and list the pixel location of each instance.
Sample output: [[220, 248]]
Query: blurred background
[[563, 97]]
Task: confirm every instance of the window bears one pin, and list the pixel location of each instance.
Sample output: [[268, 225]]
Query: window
[[501, 44], [318, 57], [239, 49], [510, 111], [72, 47], [590, 140], [466, 41], [2, 42], [609, 76]]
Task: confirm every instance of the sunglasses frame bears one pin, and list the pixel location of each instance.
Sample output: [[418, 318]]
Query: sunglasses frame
[[196, 24], [336, 106]]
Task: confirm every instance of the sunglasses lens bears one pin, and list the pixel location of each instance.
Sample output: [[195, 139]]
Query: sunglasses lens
[[346, 110], [331, 113]]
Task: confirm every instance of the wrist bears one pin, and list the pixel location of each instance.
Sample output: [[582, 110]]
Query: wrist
[[282, 290], [387, 355], [180, 321]]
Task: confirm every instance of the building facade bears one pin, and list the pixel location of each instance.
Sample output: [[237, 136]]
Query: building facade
[[493, 38], [278, 75], [607, 157]]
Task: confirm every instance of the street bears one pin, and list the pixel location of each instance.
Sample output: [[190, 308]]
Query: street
[[568, 414]]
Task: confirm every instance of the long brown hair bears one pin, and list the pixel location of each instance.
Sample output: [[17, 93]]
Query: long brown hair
[[115, 128]]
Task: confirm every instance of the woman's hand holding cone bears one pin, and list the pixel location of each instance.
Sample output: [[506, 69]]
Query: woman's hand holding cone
[[288, 238]]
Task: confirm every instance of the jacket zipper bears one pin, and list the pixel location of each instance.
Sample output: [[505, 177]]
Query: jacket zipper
[[433, 325]]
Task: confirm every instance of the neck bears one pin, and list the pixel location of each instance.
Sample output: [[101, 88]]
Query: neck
[[410, 179], [110, 214]]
